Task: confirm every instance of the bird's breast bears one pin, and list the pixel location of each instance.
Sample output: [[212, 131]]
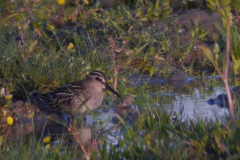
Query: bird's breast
[[95, 100], [92, 99]]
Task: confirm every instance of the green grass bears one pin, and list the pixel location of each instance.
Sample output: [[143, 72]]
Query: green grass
[[156, 134], [35, 56], [35, 150]]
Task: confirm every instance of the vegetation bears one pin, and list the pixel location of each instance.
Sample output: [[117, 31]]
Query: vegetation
[[46, 44], [224, 11]]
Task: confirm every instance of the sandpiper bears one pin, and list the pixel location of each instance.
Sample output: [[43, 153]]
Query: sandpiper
[[77, 95]]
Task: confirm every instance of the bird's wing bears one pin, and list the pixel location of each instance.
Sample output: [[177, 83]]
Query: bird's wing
[[62, 96]]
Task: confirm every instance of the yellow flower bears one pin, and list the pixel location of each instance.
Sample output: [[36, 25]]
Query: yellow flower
[[9, 121], [70, 46], [47, 139], [61, 2], [86, 2], [31, 114], [42, 16], [8, 96]]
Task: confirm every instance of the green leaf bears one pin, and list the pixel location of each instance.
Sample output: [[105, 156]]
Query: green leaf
[[4, 111], [94, 14], [166, 13], [143, 19], [139, 12], [50, 27], [33, 45], [208, 53], [145, 57], [216, 49], [157, 5], [37, 26], [141, 48], [1, 140], [152, 71], [116, 25], [147, 68], [152, 51]]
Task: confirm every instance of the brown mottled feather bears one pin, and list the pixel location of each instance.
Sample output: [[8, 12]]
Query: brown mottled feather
[[62, 96]]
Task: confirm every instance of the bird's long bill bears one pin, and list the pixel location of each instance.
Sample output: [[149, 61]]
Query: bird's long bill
[[112, 90]]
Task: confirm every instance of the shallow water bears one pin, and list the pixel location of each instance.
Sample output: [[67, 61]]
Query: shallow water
[[196, 106], [193, 106]]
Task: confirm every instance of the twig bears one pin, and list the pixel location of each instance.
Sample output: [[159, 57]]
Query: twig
[[74, 132]]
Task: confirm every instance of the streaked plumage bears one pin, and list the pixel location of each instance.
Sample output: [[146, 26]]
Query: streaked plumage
[[75, 95]]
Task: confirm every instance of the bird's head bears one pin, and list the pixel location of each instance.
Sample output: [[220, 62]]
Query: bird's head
[[102, 79]]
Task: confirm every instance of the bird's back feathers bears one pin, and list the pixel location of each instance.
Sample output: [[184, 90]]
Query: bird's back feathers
[[62, 96]]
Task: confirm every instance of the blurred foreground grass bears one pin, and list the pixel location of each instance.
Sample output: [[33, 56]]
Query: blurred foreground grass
[[155, 134], [45, 45]]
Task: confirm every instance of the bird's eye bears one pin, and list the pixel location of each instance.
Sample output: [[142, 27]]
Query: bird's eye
[[99, 79]]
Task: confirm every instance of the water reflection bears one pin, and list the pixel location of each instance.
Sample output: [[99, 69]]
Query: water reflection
[[193, 106], [196, 107]]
